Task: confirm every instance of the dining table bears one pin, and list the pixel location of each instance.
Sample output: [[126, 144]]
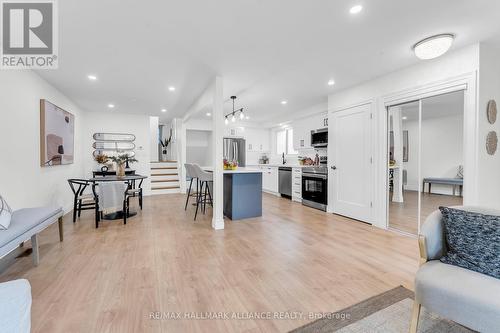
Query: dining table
[[130, 179]]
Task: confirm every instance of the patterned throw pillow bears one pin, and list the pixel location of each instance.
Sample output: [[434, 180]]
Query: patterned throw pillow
[[473, 241], [5, 214]]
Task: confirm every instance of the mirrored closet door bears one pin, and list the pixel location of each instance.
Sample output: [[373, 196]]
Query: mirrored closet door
[[425, 159]]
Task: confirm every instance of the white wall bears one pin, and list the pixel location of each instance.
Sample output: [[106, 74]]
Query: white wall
[[113, 122], [489, 88], [199, 147], [22, 181], [442, 150]]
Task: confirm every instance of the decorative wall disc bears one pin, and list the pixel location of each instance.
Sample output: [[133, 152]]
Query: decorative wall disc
[[492, 111], [491, 142]]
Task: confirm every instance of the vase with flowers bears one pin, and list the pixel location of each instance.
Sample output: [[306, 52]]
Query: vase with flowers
[[120, 161]]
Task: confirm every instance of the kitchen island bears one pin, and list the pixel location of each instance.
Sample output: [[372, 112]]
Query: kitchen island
[[242, 193]]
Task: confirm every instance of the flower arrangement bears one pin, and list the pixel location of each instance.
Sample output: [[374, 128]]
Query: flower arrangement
[[120, 161], [102, 159], [230, 165]]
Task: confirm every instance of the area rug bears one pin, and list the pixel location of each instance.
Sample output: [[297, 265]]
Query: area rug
[[389, 312]]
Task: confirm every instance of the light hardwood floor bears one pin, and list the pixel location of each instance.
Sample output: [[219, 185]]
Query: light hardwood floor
[[294, 258], [404, 216]]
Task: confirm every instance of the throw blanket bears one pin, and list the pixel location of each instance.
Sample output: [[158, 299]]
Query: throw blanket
[[111, 196]]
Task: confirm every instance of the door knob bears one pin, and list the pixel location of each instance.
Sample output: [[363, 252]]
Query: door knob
[[334, 167]]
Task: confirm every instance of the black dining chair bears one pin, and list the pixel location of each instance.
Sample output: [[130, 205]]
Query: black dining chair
[[81, 200], [98, 213], [135, 191]]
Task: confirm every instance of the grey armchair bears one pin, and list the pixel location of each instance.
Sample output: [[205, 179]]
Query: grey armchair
[[469, 298]]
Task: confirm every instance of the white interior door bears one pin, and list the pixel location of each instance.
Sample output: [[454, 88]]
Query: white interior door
[[349, 161]]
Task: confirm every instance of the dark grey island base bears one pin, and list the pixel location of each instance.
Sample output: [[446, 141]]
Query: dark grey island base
[[242, 194]]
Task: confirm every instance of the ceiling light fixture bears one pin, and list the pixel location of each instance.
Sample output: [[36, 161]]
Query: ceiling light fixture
[[247, 117], [171, 88], [92, 77], [208, 114], [284, 102], [356, 9], [331, 82], [404, 118], [163, 110], [111, 106], [234, 113], [434, 46]]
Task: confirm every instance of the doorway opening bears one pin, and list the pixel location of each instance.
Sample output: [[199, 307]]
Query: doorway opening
[[425, 158]]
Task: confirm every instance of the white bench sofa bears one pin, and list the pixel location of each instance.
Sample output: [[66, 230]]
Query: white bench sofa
[[469, 298], [15, 306], [28, 223]]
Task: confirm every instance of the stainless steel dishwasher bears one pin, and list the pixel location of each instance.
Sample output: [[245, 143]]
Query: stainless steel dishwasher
[[285, 181]]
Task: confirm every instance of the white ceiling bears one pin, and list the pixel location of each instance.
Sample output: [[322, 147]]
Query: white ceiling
[[266, 50]]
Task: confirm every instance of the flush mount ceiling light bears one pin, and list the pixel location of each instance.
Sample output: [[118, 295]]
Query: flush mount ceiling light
[[163, 110], [284, 102], [111, 106], [171, 88], [356, 9], [234, 113], [434, 46], [92, 77], [331, 82]]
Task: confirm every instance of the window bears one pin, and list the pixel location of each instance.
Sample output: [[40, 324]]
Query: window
[[284, 142]]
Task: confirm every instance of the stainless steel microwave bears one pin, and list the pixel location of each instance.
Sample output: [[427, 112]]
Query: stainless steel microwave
[[319, 138]]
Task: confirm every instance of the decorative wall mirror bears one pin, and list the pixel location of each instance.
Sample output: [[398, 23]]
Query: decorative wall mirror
[[114, 137], [115, 146]]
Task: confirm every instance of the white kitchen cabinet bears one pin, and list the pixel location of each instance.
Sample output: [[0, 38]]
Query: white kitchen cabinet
[[257, 140], [302, 129], [297, 184], [269, 179]]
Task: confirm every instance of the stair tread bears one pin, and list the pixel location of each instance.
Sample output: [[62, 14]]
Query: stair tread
[[164, 187], [164, 174], [163, 162], [164, 168], [164, 180]]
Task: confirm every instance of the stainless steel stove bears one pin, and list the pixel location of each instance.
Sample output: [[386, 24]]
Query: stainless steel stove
[[315, 185]]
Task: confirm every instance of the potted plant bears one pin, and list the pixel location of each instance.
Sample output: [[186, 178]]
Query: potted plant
[[120, 161], [103, 160]]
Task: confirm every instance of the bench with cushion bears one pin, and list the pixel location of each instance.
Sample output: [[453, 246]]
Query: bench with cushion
[[459, 294], [454, 182], [15, 306], [28, 223]]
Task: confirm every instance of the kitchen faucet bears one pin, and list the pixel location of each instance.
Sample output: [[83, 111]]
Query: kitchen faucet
[[283, 158]]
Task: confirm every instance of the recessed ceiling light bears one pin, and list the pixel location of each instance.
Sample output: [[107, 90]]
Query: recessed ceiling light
[[331, 82], [208, 114], [247, 117], [356, 9], [92, 77], [171, 88], [404, 118], [434, 46], [284, 102], [163, 110], [111, 106]]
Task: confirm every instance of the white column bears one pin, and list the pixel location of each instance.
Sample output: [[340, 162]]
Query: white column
[[217, 137]]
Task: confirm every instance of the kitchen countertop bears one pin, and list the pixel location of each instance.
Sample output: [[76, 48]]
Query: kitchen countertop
[[238, 170], [282, 165]]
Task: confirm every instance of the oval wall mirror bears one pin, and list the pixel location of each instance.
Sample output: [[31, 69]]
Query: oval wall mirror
[[114, 137], [118, 145]]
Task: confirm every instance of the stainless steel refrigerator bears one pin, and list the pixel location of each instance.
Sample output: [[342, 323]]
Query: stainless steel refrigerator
[[235, 150]]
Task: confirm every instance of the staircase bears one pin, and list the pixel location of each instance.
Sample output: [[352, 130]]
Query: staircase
[[164, 177]]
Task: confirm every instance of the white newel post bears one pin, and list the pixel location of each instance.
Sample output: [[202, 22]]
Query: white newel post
[[218, 133]]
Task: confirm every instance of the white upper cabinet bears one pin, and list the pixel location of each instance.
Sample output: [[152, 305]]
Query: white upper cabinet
[[257, 139], [302, 129]]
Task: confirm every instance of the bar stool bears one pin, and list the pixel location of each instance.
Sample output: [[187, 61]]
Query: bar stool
[[191, 174], [206, 180]]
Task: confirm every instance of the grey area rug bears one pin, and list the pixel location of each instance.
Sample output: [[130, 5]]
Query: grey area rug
[[389, 312]]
